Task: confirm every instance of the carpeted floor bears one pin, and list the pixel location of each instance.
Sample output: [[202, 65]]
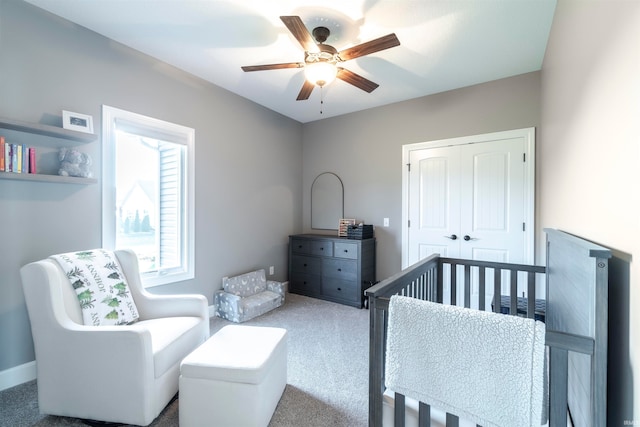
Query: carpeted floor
[[327, 380]]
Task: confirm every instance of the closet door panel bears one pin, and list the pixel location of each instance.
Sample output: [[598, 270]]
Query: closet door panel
[[492, 200], [434, 210]]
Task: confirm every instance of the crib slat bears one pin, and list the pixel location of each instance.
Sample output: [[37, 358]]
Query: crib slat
[[513, 306], [431, 286], [452, 420], [424, 415], [497, 292], [467, 286], [481, 288], [454, 284], [398, 413], [531, 295], [558, 386], [440, 284]]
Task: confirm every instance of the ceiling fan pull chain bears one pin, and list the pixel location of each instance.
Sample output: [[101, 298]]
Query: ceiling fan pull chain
[[321, 99]]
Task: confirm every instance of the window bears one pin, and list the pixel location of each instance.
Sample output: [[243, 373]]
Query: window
[[148, 189]]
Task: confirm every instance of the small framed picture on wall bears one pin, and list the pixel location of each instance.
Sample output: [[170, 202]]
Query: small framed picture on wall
[[77, 121]]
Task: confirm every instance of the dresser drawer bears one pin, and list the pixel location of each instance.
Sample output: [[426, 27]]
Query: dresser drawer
[[346, 250], [307, 284], [321, 247], [312, 247], [342, 289], [340, 269], [301, 246], [306, 264]]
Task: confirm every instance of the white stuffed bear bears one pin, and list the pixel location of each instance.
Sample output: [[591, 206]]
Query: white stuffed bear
[[74, 163]]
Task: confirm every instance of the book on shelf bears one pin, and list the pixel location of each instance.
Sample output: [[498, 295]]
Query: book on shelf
[[1, 153], [32, 160], [8, 165], [25, 159], [18, 164], [14, 158]]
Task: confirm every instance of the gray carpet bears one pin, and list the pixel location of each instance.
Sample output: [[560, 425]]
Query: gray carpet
[[326, 381]]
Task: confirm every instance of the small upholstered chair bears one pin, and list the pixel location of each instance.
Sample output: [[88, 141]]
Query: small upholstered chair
[[124, 373], [248, 295]]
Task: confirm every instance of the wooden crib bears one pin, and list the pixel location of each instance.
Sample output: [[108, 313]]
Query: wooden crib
[[576, 318]]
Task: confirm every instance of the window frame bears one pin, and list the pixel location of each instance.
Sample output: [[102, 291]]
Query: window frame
[[114, 119]]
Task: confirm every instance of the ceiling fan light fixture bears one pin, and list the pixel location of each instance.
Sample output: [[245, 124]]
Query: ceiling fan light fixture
[[320, 62], [320, 73]]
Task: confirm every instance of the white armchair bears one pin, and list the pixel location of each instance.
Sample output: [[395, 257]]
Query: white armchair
[[123, 374]]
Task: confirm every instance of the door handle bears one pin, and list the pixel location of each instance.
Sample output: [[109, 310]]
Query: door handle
[[452, 237], [467, 237]]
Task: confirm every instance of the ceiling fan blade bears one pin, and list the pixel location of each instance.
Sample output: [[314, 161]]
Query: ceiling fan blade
[[356, 80], [273, 66], [306, 90], [300, 32], [382, 43]]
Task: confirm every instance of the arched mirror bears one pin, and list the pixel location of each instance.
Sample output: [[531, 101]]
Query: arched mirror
[[327, 201]]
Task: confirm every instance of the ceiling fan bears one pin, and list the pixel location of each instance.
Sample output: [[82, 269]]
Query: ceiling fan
[[320, 59]]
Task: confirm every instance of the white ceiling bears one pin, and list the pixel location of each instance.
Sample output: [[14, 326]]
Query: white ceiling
[[445, 44]]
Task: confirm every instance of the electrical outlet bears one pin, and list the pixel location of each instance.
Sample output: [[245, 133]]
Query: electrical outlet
[[272, 271], [386, 222]]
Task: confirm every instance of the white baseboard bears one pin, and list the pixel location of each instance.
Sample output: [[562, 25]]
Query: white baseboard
[[17, 375]]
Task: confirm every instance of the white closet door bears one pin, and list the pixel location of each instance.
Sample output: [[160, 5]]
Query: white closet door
[[492, 201], [434, 203], [470, 200]]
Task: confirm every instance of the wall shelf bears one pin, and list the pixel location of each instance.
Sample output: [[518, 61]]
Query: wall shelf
[[47, 130], [50, 132], [40, 177]]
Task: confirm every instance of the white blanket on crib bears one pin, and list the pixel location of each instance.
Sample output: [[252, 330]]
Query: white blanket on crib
[[482, 366]]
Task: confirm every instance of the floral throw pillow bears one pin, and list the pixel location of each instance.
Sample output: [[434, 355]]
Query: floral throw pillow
[[103, 292]]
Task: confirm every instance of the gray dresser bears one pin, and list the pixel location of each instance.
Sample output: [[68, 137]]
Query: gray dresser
[[331, 268]]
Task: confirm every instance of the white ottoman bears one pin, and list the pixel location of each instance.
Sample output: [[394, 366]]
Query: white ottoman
[[235, 378]]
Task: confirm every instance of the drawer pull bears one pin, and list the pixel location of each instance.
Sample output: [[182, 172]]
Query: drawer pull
[[299, 246], [339, 269], [346, 250], [305, 265], [322, 249], [339, 289]]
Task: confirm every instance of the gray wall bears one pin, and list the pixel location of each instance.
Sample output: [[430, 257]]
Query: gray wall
[[248, 160], [589, 154], [365, 148]]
